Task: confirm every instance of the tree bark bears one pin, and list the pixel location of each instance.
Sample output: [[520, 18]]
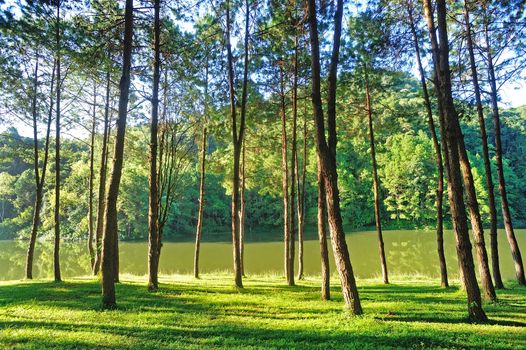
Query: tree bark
[[56, 250], [440, 167], [102, 178], [506, 215], [327, 153], [376, 185], [452, 134], [202, 180], [110, 215], [91, 177], [322, 237], [39, 180], [153, 199]]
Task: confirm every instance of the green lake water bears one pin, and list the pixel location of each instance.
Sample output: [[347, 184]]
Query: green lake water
[[409, 252]]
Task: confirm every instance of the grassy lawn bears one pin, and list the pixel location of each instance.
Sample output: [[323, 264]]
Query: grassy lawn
[[211, 313]]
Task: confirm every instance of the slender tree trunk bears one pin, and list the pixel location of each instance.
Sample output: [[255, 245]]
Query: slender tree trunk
[[116, 257], [300, 182], [242, 214], [440, 167], [327, 152], [34, 230], [452, 134], [295, 166], [56, 251], [301, 209], [237, 137], [165, 172], [38, 199], [201, 181], [39, 181], [91, 177], [34, 113], [287, 229], [292, 213], [484, 270], [110, 215], [476, 222], [506, 215], [236, 225], [322, 236], [376, 185], [485, 152], [153, 200], [102, 178]]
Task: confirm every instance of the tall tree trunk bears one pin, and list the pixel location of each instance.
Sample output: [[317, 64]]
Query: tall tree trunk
[[440, 167], [300, 176], [202, 180], [506, 215], [476, 222], [485, 152], [482, 255], [287, 229], [376, 185], [56, 251], [91, 177], [452, 134], [39, 181], [322, 237], [327, 152], [237, 137], [165, 171], [301, 203], [242, 213], [102, 178], [110, 215], [295, 169], [38, 187], [153, 199]]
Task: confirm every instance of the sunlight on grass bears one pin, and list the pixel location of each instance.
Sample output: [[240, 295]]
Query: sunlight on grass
[[211, 313]]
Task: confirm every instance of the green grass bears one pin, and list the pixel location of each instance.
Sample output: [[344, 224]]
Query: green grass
[[210, 313]]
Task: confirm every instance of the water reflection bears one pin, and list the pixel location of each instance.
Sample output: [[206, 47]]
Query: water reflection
[[408, 253]]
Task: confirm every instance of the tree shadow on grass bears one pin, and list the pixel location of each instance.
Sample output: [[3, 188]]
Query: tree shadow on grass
[[410, 304], [229, 335]]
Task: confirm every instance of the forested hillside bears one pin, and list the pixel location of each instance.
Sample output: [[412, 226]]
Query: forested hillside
[[406, 169]]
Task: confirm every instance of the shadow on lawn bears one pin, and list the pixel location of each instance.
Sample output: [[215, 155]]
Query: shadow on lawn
[[424, 303], [228, 335]]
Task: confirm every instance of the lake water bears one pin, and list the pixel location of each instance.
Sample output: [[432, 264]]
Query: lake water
[[408, 253]]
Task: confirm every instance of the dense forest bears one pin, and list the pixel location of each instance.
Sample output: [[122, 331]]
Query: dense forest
[[221, 120], [406, 167]]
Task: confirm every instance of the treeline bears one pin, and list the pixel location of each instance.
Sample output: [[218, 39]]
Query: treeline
[[405, 164]]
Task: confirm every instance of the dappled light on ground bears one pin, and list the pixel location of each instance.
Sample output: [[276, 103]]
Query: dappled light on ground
[[210, 312]]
